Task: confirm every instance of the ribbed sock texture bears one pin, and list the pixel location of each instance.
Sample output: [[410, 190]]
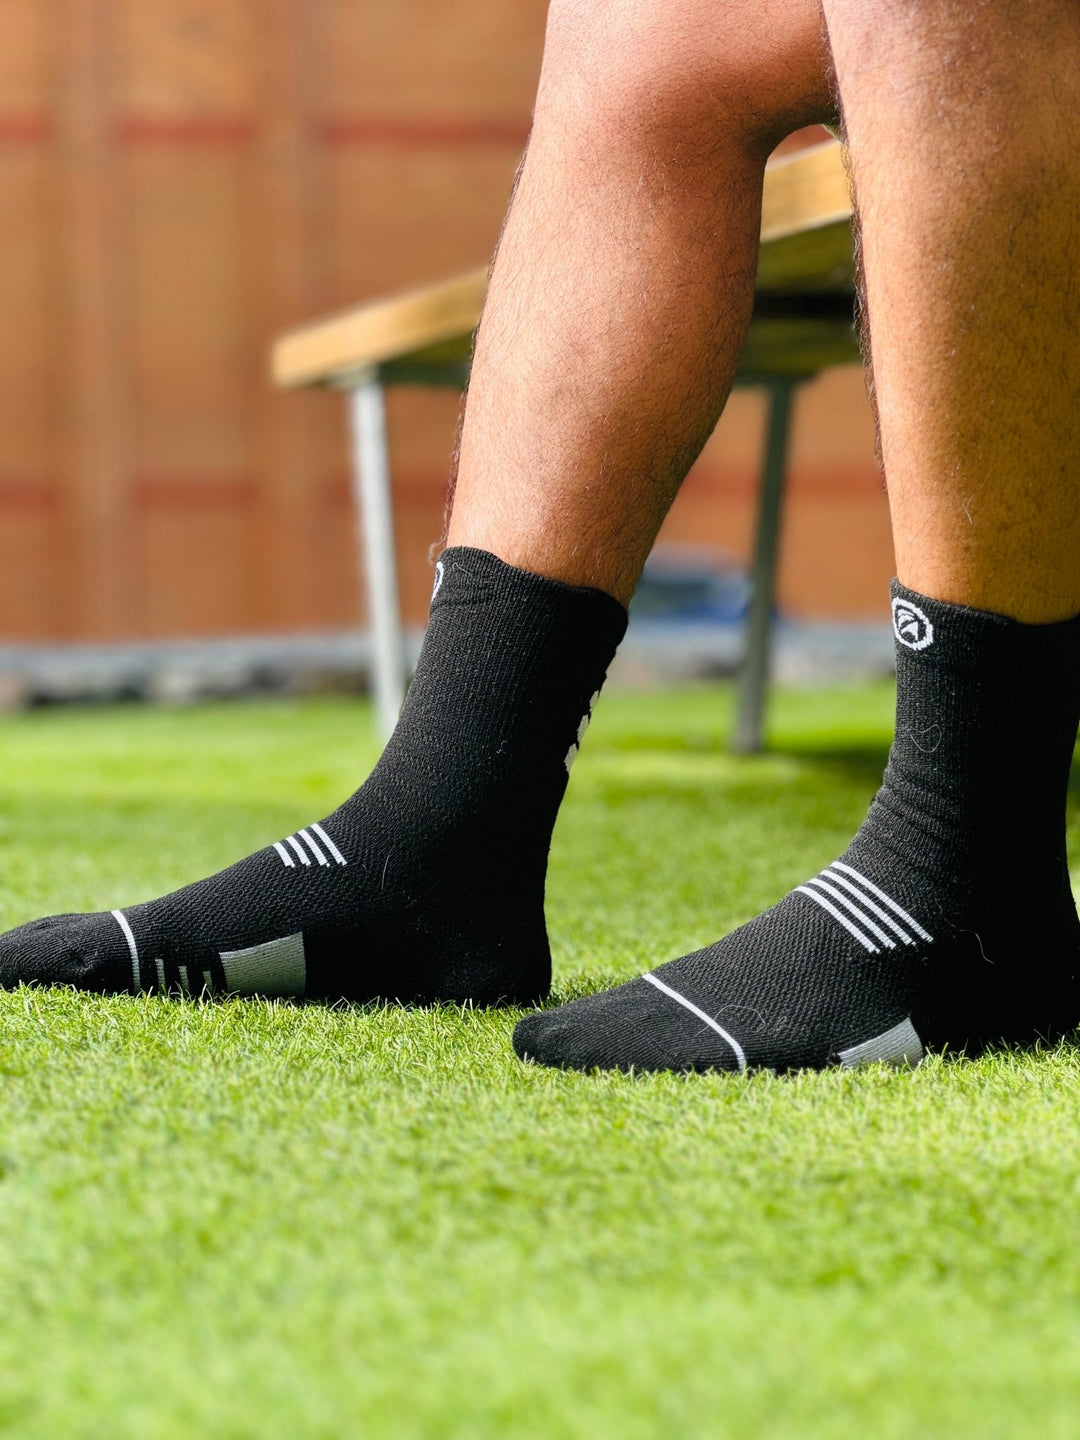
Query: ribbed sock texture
[[428, 883], [948, 922]]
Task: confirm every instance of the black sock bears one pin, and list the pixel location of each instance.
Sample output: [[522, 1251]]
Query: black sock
[[949, 921], [428, 883]]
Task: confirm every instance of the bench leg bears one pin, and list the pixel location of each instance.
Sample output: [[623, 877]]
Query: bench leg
[[375, 525], [754, 680]]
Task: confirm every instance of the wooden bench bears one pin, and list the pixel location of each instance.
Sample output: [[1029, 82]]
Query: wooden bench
[[802, 324]]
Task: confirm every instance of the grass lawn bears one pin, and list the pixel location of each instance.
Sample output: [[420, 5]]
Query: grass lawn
[[246, 1219]]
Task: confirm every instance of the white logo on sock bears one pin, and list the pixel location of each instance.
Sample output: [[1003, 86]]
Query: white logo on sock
[[438, 579], [910, 626], [583, 725]]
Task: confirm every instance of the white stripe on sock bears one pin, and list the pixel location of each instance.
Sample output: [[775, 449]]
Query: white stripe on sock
[[305, 858], [319, 856], [888, 900], [899, 1046], [286, 857], [836, 914], [325, 838], [859, 914], [160, 966], [689, 1005], [185, 983], [133, 949], [883, 916]]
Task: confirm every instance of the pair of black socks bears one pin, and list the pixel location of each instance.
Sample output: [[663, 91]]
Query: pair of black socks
[[949, 921]]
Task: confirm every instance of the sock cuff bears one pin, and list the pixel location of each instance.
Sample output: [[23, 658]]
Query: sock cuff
[[958, 637], [467, 577]]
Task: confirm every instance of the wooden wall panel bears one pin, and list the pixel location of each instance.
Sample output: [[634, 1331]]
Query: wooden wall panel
[[188, 59], [192, 291], [197, 562], [403, 214], [28, 375], [99, 585], [31, 556], [31, 601], [182, 179], [416, 61], [317, 577], [291, 245], [332, 596], [27, 57]]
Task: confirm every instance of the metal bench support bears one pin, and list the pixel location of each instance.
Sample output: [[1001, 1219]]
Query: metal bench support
[[375, 534], [754, 680], [375, 526]]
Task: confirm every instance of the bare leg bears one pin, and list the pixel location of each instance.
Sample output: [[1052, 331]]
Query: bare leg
[[623, 284], [618, 308], [949, 919], [963, 121]]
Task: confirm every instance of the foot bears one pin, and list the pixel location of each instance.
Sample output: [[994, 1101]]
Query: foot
[[949, 921], [840, 972], [428, 883]]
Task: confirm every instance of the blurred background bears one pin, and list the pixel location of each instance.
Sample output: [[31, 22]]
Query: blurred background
[[182, 180]]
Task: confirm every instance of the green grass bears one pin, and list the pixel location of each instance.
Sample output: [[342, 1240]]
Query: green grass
[[257, 1220]]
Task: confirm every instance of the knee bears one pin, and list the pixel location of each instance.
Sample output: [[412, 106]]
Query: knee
[[658, 74]]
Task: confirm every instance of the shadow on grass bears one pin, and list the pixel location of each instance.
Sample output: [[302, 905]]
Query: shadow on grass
[[860, 764], [864, 762]]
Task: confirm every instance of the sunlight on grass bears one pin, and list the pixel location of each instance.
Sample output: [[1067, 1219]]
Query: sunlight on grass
[[260, 1219]]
